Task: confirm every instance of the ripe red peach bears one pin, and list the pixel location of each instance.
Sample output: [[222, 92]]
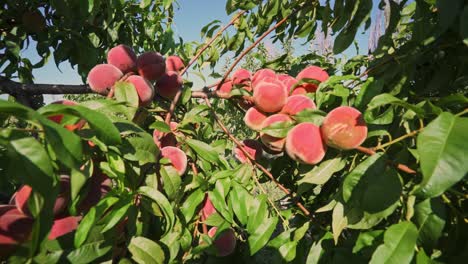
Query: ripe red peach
[[262, 74], [208, 208], [304, 144], [225, 243], [253, 147], [15, 228], [288, 81], [299, 90], [151, 65], [225, 88], [123, 57], [344, 128], [275, 144], [103, 76], [174, 63], [270, 97], [21, 197], [312, 72], [297, 103], [169, 85], [144, 89], [241, 76], [254, 118], [63, 226], [177, 158]]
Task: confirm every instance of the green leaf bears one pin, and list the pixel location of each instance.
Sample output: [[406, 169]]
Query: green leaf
[[442, 152], [163, 203], [259, 237], [140, 148], [384, 99], [191, 204], [430, 217], [219, 203], [66, 145], [146, 251], [278, 129], [160, 126], [204, 150], [373, 165], [89, 220], [101, 125], [321, 173], [32, 160], [238, 193], [260, 207], [89, 253], [399, 243], [370, 89], [126, 92], [119, 211], [78, 178], [339, 222], [171, 181]]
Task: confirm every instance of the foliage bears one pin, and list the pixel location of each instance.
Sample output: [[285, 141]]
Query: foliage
[[401, 197]]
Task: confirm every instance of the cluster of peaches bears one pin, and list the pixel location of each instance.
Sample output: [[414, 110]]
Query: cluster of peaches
[[16, 220], [150, 73], [143, 71], [278, 98]]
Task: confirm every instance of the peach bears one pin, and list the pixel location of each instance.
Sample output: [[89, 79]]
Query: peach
[[169, 85], [225, 88], [151, 65], [208, 208], [21, 197], [241, 77], [143, 87], [163, 140], [225, 243], [262, 74], [344, 128], [98, 186], [270, 97], [312, 72], [123, 57], [63, 226], [297, 103], [174, 63], [299, 90], [253, 147], [15, 228], [254, 118], [177, 158], [304, 144], [287, 81], [274, 143], [103, 76]]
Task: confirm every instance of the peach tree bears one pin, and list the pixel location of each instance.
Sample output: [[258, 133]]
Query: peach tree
[[310, 158]]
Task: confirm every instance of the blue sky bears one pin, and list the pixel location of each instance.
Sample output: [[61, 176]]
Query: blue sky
[[190, 17]]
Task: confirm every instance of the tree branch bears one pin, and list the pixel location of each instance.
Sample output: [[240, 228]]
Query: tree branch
[[15, 88], [199, 53]]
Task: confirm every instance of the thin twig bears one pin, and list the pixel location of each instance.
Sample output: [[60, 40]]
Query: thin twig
[[241, 56], [411, 134], [399, 166], [199, 53], [263, 169]]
